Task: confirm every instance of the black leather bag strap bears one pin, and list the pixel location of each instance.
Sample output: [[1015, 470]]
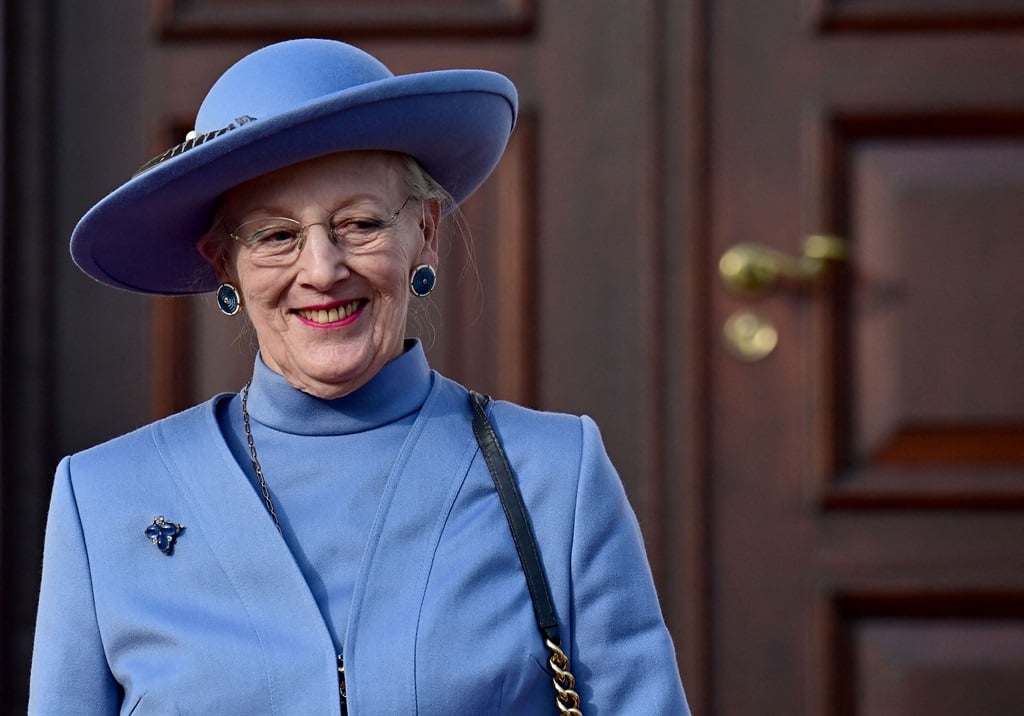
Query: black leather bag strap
[[566, 697], [518, 522]]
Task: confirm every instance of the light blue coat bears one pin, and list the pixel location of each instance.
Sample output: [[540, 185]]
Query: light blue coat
[[440, 622]]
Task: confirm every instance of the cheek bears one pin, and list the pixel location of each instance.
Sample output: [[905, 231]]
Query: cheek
[[389, 273], [261, 291]]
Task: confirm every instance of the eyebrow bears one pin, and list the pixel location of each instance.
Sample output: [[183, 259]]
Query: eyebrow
[[263, 210]]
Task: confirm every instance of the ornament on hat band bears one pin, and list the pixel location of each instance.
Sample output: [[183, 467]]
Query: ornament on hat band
[[192, 139], [229, 300], [423, 280]]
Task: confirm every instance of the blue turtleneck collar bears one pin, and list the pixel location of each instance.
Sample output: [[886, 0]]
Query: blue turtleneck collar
[[398, 390]]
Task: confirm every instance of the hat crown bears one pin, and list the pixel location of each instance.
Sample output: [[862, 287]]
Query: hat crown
[[281, 77]]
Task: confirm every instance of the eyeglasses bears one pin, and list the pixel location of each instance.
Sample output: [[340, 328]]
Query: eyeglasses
[[278, 240]]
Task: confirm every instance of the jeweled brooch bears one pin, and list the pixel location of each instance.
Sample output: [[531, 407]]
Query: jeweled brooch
[[163, 533]]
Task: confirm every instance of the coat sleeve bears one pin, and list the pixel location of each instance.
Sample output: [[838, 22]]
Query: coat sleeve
[[69, 668], [623, 657]]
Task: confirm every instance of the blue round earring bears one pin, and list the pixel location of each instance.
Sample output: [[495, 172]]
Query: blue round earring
[[423, 280], [229, 301]]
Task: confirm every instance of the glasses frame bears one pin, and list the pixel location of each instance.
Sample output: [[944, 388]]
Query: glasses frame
[[302, 232]]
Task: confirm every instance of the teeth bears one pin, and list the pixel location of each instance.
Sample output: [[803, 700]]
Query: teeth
[[331, 315]]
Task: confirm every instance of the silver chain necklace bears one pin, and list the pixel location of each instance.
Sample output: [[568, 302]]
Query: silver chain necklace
[[256, 460]]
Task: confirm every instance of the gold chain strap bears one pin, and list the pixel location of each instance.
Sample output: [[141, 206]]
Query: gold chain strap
[[566, 698]]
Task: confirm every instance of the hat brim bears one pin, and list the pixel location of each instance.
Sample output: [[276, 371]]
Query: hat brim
[[143, 236]]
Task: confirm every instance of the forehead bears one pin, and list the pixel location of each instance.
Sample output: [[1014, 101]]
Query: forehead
[[325, 182]]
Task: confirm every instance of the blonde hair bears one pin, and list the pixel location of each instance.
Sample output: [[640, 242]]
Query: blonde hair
[[453, 227]]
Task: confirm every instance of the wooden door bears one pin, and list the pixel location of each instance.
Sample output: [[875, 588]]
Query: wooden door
[[866, 476]]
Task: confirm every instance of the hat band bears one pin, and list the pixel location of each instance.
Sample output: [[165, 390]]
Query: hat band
[[193, 141]]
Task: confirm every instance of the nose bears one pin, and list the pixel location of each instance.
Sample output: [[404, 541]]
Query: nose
[[322, 261]]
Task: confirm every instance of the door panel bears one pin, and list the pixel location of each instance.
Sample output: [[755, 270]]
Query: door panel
[[218, 19], [938, 323], [956, 666]]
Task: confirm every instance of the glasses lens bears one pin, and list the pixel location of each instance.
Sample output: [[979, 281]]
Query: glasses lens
[[271, 241], [357, 227]]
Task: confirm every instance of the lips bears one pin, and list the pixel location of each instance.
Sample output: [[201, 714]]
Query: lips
[[334, 314]]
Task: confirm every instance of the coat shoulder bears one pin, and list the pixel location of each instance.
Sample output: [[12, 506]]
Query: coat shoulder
[[141, 443], [542, 429]]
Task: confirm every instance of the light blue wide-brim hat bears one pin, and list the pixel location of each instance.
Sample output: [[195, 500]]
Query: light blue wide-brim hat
[[284, 104]]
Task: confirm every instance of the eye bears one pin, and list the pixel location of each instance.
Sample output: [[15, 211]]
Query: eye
[[269, 232], [359, 223], [272, 235], [356, 230]]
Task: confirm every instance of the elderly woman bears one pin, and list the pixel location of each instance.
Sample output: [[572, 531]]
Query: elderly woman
[[352, 531]]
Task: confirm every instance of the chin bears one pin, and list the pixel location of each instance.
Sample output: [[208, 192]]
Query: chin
[[334, 371], [329, 392], [332, 383]]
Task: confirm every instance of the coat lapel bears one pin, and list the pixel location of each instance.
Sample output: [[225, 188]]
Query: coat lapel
[[229, 514]]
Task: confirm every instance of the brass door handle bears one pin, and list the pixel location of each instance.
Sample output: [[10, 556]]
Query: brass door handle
[[754, 268], [749, 336]]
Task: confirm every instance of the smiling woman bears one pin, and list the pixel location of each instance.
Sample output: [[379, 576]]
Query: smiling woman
[[349, 513]]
